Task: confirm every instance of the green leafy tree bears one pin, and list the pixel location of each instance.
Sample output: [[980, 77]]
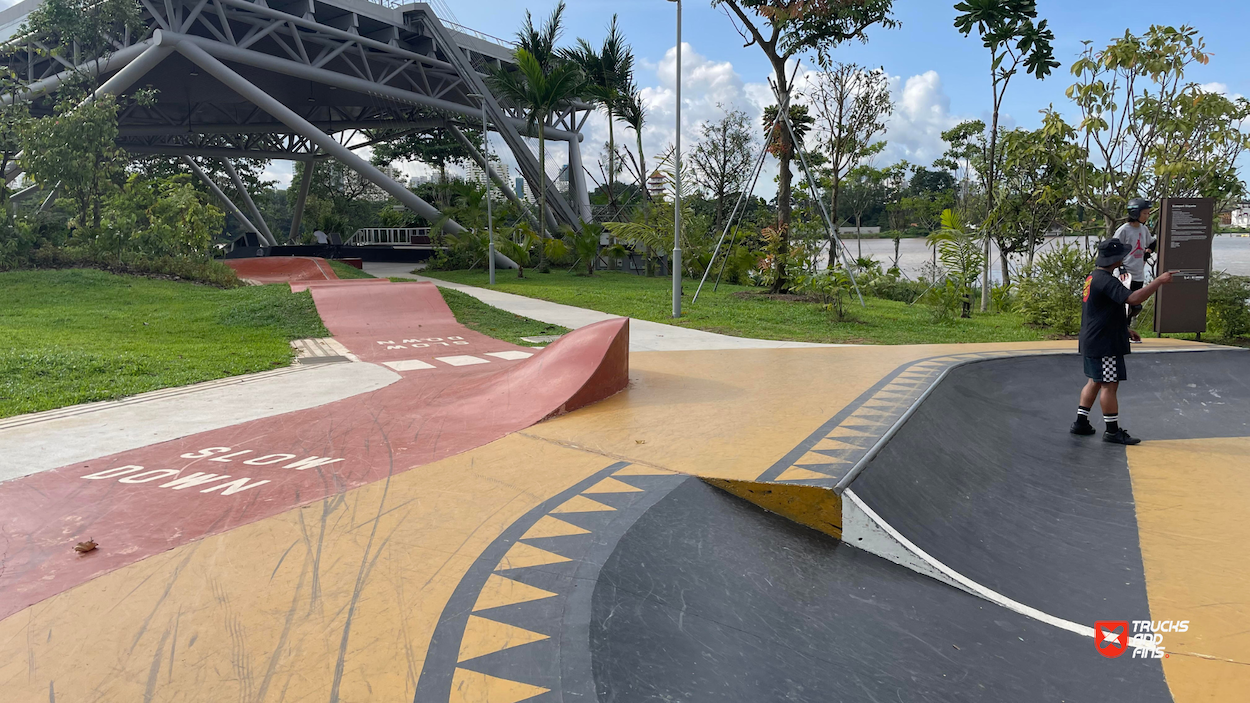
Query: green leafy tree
[[1007, 29], [722, 158], [79, 34], [14, 114], [77, 148], [541, 84], [787, 29], [780, 145], [161, 217], [609, 74], [1035, 188], [434, 147], [865, 188], [852, 104], [1127, 94]]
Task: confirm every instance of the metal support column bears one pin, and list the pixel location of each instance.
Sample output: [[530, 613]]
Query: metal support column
[[305, 182], [494, 175], [325, 142], [230, 206], [577, 181], [257, 218]]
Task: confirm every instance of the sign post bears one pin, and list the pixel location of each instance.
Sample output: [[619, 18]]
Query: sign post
[[1184, 248]]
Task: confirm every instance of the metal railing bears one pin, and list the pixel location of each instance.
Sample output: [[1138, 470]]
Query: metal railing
[[390, 235]]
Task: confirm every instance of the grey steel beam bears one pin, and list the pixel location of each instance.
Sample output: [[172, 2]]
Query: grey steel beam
[[241, 189], [115, 60], [210, 152], [132, 70], [197, 55], [230, 206], [505, 124], [275, 128], [305, 182], [494, 176], [577, 181], [325, 76]]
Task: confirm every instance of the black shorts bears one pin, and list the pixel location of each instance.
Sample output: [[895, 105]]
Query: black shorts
[[1106, 369]]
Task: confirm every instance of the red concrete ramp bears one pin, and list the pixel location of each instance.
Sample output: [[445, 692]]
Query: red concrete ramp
[[138, 503], [282, 269]]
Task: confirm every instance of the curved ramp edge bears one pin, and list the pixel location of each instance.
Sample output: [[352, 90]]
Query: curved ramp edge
[[282, 269]]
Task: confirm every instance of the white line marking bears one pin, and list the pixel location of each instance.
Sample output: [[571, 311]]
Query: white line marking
[[408, 365], [462, 360], [510, 355]]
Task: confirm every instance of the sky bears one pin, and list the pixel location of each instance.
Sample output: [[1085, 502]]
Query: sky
[[937, 76]]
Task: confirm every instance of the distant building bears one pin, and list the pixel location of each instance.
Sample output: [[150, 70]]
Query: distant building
[[523, 191], [475, 174], [1240, 216], [419, 180], [562, 180]]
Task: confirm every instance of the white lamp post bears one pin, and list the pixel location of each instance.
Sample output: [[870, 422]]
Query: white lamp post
[[490, 222], [677, 182]]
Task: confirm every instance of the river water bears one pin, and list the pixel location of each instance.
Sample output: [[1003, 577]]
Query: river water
[[1229, 252]]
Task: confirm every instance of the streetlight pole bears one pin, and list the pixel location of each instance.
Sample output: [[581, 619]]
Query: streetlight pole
[[677, 182], [490, 221]]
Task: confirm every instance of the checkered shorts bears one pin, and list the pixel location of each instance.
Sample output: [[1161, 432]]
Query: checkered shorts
[[1106, 369]]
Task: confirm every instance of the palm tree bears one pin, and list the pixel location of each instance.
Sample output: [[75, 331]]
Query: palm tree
[[634, 113], [541, 83], [609, 74]]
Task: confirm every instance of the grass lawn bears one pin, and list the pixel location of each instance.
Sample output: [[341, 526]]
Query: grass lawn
[[345, 271], [741, 311], [79, 335]]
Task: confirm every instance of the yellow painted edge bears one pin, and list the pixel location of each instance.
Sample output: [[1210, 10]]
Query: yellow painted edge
[[811, 506]]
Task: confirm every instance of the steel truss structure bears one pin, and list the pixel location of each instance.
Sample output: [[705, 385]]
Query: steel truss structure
[[304, 80]]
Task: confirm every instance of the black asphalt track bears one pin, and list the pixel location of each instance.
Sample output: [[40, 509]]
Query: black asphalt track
[[986, 478], [709, 598]]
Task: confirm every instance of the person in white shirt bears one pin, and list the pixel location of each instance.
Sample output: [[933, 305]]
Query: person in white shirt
[[1141, 244]]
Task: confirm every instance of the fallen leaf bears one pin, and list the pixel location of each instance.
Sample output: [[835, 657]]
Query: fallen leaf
[[640, 441], [84, 547]]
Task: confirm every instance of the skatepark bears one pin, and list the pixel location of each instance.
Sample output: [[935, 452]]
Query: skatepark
[[380, 433], [484, 522]]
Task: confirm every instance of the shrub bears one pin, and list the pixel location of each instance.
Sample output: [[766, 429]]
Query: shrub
[[741, 262], [1050, 294], [891, 286], [1228, 307], [208, 271], [830, 289], [946, 300]]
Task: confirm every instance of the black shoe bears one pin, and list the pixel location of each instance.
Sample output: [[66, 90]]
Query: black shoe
[[1120, 436], [1082, 428]]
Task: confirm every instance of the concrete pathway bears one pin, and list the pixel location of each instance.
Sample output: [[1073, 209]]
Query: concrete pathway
[[41, 441], [643, 335]]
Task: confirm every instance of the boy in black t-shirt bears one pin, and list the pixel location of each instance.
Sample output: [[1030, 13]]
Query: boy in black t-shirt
[[1105, 338]]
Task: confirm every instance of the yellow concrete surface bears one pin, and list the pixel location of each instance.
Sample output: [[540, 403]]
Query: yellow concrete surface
[[1192, 512], [731, 414], [338, 597], [817, 508], [338, 600]]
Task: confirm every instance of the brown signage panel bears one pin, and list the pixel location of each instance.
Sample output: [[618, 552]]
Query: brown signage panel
[[1185, 230]]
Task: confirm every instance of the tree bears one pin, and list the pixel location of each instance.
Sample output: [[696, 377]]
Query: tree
[[541, 83], [965, 146], [851, 106], [864, 189], [785, 29], [1123, 93], [85, 29], [780, 145], [435, 147], [722, 160], [14, 114], [1035, 188], [1007, 30], [1202, 136], [77, 148], [609, 73]]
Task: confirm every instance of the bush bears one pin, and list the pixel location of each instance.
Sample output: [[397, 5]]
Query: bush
[[1050, 294], [830, 289], [946, 300], [210, 272], [741, 262], [890, 286], [1228, 307]]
